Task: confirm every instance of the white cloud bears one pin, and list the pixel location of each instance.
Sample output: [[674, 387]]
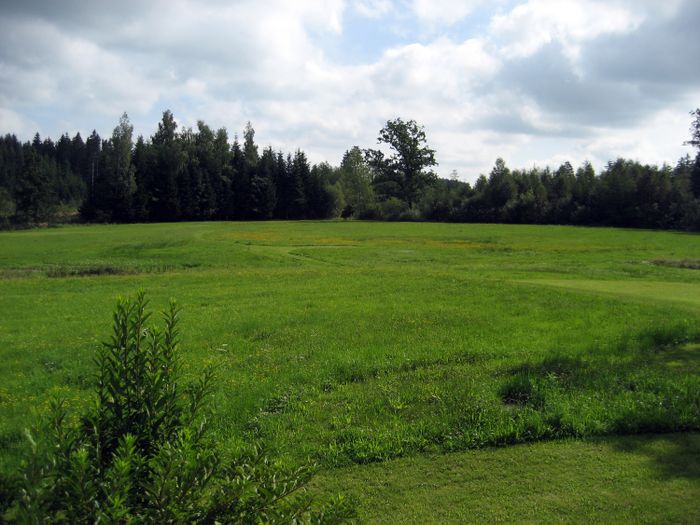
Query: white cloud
[[443, 12], [372, 8], [15, 123], [70, 73], [229, 62], [442, 69], [650, 142], [530, 25]]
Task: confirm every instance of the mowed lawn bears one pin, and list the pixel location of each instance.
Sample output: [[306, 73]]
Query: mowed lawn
[[436, 372]]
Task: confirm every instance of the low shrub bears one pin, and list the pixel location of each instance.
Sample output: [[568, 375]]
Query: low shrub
[[144, 453]]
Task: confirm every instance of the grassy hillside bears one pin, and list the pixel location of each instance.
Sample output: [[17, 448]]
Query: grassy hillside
[[356, 343]]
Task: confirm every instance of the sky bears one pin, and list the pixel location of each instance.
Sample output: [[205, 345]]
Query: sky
[[536, 82]]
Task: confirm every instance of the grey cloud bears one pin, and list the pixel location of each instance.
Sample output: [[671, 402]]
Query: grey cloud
[[549, 79], [661, 56], [618, 79], [514, 123], [164, 34], [96, 20]]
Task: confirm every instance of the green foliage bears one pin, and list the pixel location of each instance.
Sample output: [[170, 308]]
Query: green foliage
[[393, 209], [120, 172], [695, 129], [406, 172], [144, 453], [626, 193], [38, 180], [185, 174], [356, 183], [8, 208], [35, 198]]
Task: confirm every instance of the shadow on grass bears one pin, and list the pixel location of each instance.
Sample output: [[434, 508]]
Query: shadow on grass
[[642, 384], [672, 455], [646, 383]]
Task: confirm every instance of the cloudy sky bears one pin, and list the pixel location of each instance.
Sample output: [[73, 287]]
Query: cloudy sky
[[532, 81]]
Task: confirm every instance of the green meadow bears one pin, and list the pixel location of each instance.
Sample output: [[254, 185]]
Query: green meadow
[[435, 372]]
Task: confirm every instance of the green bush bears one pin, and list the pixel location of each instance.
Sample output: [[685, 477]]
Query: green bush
[[144, 454], [393, 209]]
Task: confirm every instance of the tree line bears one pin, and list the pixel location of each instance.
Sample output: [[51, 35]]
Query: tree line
[[626, 194], [199, 174], [175, 175]]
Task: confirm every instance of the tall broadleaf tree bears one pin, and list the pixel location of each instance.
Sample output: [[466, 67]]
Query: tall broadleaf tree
[[121, 176], [695, 141], [405, 172], [356, 183]]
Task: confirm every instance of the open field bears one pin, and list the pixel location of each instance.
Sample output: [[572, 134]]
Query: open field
[[397, 355]]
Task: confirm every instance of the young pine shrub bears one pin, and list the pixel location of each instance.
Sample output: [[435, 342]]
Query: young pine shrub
[[144, 454]]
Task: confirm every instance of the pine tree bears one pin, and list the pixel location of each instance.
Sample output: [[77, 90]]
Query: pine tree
[[208, 171], [35, 199], [263, 192], [299, 173], [168, 164], [142, 160], [221, 177], [240, 187]]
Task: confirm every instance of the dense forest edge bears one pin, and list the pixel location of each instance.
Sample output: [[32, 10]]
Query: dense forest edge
[[198, 174]]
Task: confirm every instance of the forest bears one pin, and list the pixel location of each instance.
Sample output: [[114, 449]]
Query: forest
[[198, 174]]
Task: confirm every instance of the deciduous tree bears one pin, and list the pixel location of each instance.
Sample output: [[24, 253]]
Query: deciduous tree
[[406, 171]]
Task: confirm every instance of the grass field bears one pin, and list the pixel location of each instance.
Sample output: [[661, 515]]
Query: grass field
[[398, 355]]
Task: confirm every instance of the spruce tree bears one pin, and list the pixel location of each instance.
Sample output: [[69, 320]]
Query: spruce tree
[[167, 167], [240, 187]]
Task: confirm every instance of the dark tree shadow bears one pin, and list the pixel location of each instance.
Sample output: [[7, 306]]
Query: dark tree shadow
[[672, 455]]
